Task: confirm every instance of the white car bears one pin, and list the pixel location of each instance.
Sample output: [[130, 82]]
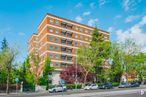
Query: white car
[[58, 88], [91, 87]]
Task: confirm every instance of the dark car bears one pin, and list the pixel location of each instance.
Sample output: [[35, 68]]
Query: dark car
[[134, 84], [106, 86], [124, 85]]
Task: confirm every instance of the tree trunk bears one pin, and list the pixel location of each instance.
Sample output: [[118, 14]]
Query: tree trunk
[[85, 79], [8, 81], [142, 81]]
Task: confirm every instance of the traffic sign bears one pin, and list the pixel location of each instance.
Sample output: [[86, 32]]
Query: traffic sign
[[62, 82]]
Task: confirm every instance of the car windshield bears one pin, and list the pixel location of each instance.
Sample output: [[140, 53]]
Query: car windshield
[[124, 83], [108, 84]]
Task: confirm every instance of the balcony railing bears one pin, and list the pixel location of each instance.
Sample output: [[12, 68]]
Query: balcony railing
[[63, 24], [66, 50], [63, 41], [66, 25], [63, 33]]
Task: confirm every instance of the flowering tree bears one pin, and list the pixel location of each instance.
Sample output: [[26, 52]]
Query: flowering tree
[[69, 74]]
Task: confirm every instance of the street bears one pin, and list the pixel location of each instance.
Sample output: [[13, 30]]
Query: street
[[124, 92]]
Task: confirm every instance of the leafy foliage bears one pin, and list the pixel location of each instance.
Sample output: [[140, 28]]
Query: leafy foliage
[[72, 72]]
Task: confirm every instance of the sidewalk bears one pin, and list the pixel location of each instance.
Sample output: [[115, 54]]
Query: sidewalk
[[23, 93]]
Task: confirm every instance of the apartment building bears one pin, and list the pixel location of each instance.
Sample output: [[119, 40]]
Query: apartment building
[[59, 39]]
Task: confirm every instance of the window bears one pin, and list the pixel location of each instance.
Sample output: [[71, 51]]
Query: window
[[56, 56], [76, 36], [56, 31], [86, 39], [51, 30], [50, 63], [77, 28], [51, 21], [76, 43], [51, 56], [63, 57], [41, 43], [57, 65], [51, 38], [81, 37], [51, 47], [86, 31], [56, 48], [105, 36], [56, 22], [81, 30], [56, 40]]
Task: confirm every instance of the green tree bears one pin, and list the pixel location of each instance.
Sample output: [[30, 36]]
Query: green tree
[[4, 44], [101, 48], [8, 57], [116, 69], [123, 58], [140, 66], [130, 49], [35, 66], [47, 69], [86, 60]]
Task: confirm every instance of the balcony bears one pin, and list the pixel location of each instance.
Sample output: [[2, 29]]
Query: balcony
[[63, 33], [63, 24], [69, 50], [69, 26], [63, 41], [66, 42], [66, 25], [66, 50], [63, 49], [63, 57], [63, 65], [69, 58], [69, 42], [69, 34]]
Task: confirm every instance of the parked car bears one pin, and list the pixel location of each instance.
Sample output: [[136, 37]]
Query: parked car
[[106, 86], [58, 88], [124, 85], [134, 84], [91, 87]]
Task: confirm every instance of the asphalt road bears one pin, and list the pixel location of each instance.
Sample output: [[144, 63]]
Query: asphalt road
[[126, 92], [127, 95]]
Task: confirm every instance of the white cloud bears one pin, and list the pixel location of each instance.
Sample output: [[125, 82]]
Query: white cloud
[[130, 4], [92, 5], [92, 22], [5, 30], [118, 16], [126, 4], [78, 19], [21, 33], [110, 29], [78, 5], [131, 18], [102, 2], [135, 32], [86, 13]]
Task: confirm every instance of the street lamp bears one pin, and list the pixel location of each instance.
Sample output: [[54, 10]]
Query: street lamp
[[49, 80]]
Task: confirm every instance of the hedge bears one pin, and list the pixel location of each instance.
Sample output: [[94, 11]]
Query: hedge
[[73, 86]]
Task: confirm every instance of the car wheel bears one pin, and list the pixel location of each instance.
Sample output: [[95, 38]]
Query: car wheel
[[54, 91]]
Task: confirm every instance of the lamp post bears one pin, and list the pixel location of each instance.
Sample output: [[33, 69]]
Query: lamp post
[[49, 79], [76, 73], [17, 80]]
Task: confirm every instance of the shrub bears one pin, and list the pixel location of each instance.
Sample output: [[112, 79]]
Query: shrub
[[73, 86], [115, 84]]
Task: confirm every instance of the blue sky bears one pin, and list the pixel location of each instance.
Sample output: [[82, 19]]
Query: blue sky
[[122, 18]]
